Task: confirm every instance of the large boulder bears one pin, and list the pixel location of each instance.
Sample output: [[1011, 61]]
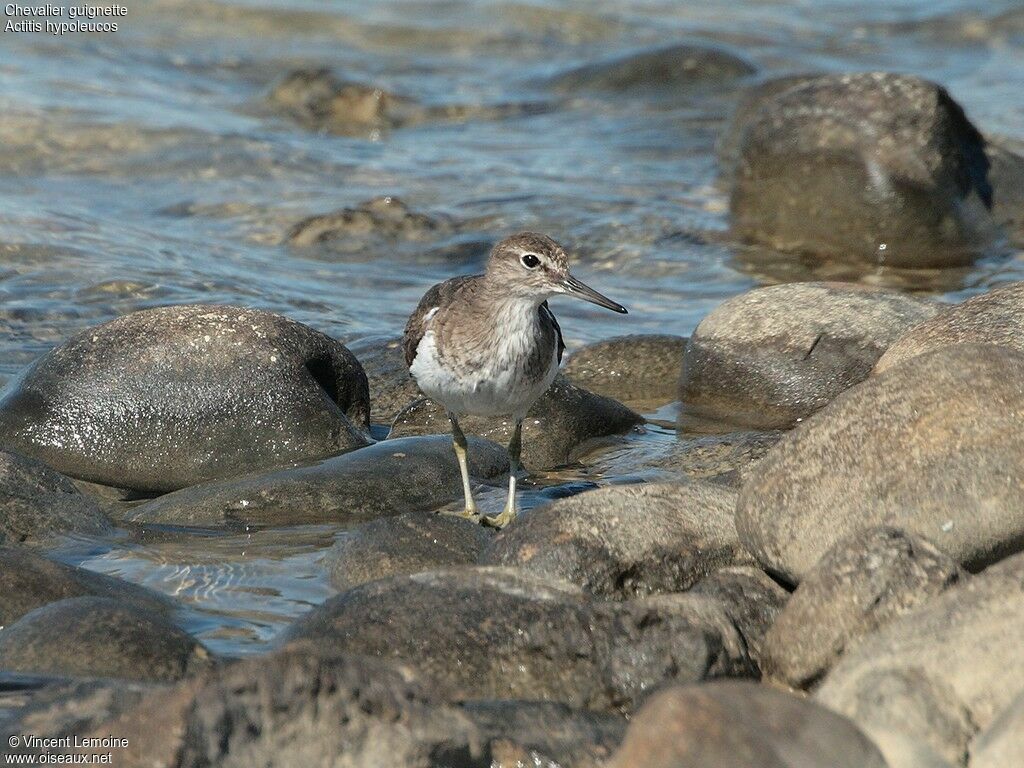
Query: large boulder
[[941, 671], [861, 584], [169, 397], [562, 425], [626, 540], [100, 637], [636, 368], [29, 581], [415, 474], [669, 69], [37, 502], [995, 317], [773, 356], [874, 167], [515, 635], [934, 446], [741, 725], [408, 543]]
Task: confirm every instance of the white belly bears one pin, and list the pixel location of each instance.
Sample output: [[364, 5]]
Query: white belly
[[500, 388]]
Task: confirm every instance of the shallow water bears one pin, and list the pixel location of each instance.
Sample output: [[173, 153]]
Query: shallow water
[[140, 169]]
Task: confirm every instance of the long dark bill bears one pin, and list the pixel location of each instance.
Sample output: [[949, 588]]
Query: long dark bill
[[575, 288]]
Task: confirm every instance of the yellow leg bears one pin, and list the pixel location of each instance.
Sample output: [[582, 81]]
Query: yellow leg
[[515, 449], [459, 442]]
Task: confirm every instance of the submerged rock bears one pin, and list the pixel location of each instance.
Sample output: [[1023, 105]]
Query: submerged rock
[[626, 540], [642, 367], [563, 424], [169, 397], [29, 581], [874, 167], [671, 68], [405, 544], [741, 725], [384, 217], [36, 502], [417, 474], [773, 356], [518, 636], [861, 584], [934, 446], [100, 637], [996, 317]]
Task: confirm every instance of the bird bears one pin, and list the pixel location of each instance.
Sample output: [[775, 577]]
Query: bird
[[489, 344]]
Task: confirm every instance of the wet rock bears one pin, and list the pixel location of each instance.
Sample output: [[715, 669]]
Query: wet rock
[[724, 459], [672, 68], [417, 474], [642, 367], [996, 317], [933, 446], [545, 733], [773, 356], [404, 544], [100, 637], [385, 217], [37, 502], [29, 581], [517, 636], [861, 584], [942, 671], [752, 600], [626, 540], [168, 397], [741, 725], [319, 100], [843, 165], [1002, 743], [1007, 175], [391, 386], [562, 425]]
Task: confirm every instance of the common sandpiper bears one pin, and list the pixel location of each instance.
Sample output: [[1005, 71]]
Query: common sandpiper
[[488, 345]]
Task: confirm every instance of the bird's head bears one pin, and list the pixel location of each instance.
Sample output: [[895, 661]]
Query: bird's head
[[534, 266]]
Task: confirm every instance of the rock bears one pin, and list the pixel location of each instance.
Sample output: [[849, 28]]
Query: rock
[[773, 356], [861, 584], [1002, 743], [100, 637], [990, 318], [724, 459], [562, 425], [544, 733], [741, 725], [385, 217], [404, 544], [642, 367], [37, 502], [934, 446], [169, 397], [872, 167], [665, 69], [517, 636], [416, 474], [29, 581], [941, 671], [1007, 175], [391, 386], [317, 99], [752, 600], [626, 540]]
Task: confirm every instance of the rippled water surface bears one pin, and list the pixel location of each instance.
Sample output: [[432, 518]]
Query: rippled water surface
[[143, 168]]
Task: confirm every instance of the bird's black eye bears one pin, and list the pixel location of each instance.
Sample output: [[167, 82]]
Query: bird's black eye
[[529, 260]]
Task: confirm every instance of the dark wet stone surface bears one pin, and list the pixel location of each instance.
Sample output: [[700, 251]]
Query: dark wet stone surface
[[629, 368], [417, 474], [392, 388], [164, 398], [387, 217]]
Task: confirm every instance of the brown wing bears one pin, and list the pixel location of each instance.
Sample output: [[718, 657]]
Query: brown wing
[[438, 296], [546, 313]]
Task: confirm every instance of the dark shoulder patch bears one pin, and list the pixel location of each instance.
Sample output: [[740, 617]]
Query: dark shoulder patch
[[547, 313], [415, 327]]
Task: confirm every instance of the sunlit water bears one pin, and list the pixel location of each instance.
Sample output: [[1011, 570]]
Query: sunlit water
[[140, 169]]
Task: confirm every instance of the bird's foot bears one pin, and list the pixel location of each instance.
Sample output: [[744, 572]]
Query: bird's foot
[[500, 521], [469, 513]]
